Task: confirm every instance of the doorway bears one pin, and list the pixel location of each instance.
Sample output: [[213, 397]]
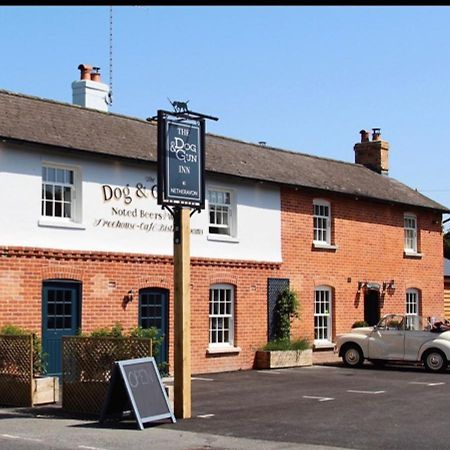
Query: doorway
[[372, 307], [154, 312], [60, 317]]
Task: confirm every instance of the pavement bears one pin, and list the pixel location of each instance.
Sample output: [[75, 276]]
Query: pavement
[[325, 357], [50, 427]]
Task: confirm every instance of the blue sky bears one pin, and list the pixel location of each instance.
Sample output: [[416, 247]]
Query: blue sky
[[302, 78]]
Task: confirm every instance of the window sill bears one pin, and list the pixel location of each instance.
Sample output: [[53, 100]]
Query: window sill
[[411, 254], [222, 238], [324, 245], [60, 224], [222, 350]]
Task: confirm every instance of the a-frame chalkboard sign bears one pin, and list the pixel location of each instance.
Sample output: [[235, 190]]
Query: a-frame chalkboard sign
[[136, 387]]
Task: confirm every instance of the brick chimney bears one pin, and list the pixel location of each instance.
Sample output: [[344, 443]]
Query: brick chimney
[[89, 91], [374, 154]]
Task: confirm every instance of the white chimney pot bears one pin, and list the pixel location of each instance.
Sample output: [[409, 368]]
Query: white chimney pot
[[89, 93]]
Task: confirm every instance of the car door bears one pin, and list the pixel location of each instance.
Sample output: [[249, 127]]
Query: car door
[[387, 340], [416, 334]]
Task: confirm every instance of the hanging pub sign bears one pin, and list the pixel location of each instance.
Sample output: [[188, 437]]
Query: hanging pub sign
[[181, 162]]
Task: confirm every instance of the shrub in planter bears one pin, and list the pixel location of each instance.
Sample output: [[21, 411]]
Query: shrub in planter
[[43, 389], [360, 324], [286, 309], [116, 331], [283, 345], [282, 352], [39, 358]]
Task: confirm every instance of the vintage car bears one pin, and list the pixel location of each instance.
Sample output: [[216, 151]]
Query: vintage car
[[398, 338]]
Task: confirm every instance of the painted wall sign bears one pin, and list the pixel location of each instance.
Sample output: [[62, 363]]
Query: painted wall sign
[[181, 163], [132, 207]]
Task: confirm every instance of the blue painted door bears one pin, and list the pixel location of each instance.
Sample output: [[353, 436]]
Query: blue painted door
[[60, 317], [154, 312]]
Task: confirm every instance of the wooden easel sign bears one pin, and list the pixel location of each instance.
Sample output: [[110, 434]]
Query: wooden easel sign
[[136, 387]]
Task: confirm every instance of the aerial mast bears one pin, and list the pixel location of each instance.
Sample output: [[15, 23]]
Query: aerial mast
[[110, 94]]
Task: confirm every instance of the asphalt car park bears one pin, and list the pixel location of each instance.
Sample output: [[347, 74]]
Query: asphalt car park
[[367, 408]]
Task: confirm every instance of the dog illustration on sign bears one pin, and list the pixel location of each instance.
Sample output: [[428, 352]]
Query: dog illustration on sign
[[179, 106]]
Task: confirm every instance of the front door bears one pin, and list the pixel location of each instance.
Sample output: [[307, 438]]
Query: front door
[[60, 317], [154, 312], [372, 307]]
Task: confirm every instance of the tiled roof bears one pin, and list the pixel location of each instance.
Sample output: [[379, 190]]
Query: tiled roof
[[41, 121]]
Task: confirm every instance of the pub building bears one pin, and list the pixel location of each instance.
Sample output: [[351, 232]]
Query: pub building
[[84, 244]]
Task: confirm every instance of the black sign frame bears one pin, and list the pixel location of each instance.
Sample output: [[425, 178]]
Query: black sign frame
[[121, 397], [166, 163]]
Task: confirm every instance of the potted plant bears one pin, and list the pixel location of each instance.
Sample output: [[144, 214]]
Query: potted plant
[[44, 389], [282, 351]]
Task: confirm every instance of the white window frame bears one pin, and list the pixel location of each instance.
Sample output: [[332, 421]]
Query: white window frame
[[216, 314], [410, 233], [412, 305], [75, 219], [230, 209], [323, 320], [321, 224]]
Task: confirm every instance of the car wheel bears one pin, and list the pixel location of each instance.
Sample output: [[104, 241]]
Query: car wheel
[[352, 356], [435, 361]]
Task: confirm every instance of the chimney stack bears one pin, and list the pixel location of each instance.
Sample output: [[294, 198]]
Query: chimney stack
[[89, 91], [374, 154]]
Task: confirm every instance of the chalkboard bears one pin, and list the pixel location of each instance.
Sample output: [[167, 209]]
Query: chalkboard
[[136, 387]]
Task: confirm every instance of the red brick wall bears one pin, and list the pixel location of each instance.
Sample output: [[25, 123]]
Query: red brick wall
[[106, 278], [369, 240]]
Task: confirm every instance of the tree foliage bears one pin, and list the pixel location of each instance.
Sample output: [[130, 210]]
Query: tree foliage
[[286, 309], [447, 245]]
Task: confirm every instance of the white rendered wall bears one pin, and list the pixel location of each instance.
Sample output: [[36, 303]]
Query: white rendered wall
[[135, 225]]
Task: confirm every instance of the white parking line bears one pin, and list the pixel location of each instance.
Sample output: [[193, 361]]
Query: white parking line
[[270, 372], [321, 399], [201, 379], [426, 383], [205, 416], [366, 392], [11, 436], [91, 448]]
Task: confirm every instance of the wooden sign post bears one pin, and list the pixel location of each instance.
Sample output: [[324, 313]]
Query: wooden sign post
[[181, 186], [182, 313]]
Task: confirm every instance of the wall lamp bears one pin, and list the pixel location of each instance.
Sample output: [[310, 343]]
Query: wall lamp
[[128, 297], [361, 285], [389, 285]]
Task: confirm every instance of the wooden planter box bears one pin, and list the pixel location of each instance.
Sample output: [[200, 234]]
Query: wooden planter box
[[45, 390], [275, 359]]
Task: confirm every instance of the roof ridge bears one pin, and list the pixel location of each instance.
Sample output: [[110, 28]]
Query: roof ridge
[[64, 120], [123, 116], [71, 105], [283, 150]]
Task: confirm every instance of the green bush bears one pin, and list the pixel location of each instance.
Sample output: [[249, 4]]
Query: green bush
[[116, 331], [283, 344], [157, 340], [360, 324], [286, 309], [39, 358]]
